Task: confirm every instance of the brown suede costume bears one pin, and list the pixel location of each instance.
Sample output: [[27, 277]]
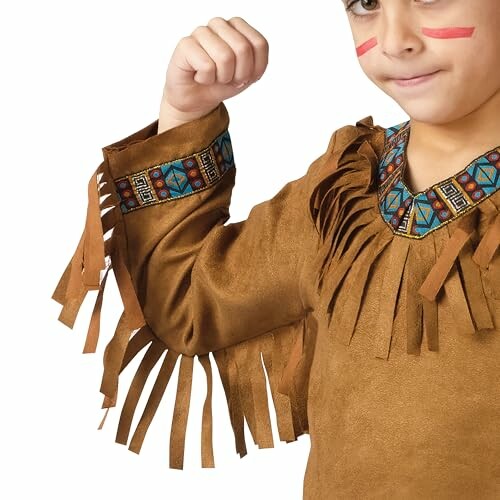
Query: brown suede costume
[[378, 321]]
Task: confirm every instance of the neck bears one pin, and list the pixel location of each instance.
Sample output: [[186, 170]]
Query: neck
[[459, 142], [478, 129]]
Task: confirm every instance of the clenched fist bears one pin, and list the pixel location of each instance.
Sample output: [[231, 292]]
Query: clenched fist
[[214, 63]]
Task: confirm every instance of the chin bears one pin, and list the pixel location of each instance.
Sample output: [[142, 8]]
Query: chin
[[429, 109], [431, 115]]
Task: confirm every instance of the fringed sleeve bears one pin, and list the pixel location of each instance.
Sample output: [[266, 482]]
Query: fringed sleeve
[[191, 285]]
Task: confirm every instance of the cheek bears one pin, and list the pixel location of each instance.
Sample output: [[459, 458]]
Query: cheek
[[443, 33], [449, 32], [366, 46]]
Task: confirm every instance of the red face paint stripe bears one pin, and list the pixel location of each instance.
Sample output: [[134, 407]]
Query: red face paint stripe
[[448, 32], [366, 46]]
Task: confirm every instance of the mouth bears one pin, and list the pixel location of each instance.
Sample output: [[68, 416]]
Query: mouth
[[413, 80]]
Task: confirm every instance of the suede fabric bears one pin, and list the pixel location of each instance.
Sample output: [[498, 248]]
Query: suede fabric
[[382, 347]]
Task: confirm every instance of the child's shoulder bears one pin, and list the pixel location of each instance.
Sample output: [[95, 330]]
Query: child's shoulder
[[347, 143]]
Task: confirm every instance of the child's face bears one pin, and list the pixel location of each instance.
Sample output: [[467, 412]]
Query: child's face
[[410, 37]]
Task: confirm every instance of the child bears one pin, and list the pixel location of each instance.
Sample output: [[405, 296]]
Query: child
[[371, 285]]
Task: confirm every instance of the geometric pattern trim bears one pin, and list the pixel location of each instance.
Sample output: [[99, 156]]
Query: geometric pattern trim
[[417, 214], [177, 178]]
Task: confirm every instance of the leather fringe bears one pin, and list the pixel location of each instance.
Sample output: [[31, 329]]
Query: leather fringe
[[393, 275], [356, 282], [352, 235], [240, 366], [457, 252], [344, 208], [244, 381]]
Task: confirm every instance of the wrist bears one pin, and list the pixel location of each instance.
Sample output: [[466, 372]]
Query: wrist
[[171, 117]]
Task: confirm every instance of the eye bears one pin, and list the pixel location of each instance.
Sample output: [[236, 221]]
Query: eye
[[368, 5], [350, 7]]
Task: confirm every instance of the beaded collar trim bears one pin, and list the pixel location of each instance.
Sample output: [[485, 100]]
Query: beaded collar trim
[[417, 214]]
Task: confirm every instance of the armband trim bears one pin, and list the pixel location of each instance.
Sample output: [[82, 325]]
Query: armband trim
[[177, 178]]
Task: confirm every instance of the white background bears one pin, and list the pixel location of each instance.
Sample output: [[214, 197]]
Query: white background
[[77, 76]]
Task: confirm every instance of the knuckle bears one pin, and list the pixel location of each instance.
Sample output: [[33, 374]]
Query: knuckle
[[226, 57], [261, 44], [236, 18], [242, 49], [199, 29], [216, 20], [207, 65]]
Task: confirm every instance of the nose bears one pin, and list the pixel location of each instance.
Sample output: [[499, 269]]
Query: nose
[[398, 31]]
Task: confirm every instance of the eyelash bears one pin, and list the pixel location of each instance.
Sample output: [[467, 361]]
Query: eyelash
[[350, 10]]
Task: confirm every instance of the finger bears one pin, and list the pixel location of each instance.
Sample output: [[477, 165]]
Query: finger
[[192, 57], [257, 40], [240, 45], [219, 51]]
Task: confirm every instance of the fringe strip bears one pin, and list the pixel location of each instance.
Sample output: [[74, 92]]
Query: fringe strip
[[240, 366], [344, 208], [457, 252], [244, 381]]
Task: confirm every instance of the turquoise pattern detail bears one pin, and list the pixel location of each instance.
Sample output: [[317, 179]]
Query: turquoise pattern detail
[[177, 178], [417, 214]]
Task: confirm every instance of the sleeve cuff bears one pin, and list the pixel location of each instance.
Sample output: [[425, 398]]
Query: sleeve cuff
[[149, 168]]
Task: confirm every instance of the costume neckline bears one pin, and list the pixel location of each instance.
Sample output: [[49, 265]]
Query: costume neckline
[[416, 214]]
